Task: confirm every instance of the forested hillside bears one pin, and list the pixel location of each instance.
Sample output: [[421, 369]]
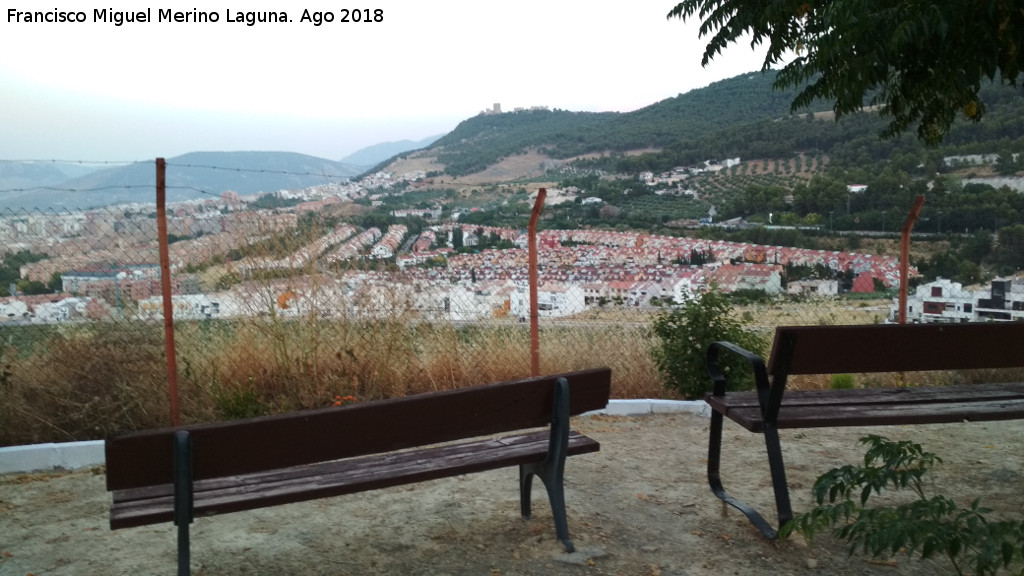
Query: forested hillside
[[485, 139], [738, 117]]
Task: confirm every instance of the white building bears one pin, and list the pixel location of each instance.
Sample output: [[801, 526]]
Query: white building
[[816, 287], [947, 301], [62, 311], [687, 285], [13, 309], [553, 300], [184, 307]]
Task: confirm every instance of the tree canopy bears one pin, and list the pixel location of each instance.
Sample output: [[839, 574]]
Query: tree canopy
[[920, 61]]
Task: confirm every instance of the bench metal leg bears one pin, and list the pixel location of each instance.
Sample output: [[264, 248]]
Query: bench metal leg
[[778, 469], [553, 479], [552, 470], [183, 498], [184, 556], [525, 485], [715, 477]]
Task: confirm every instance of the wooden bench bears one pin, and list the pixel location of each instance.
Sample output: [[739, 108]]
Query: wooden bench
[[859, 349], [177, 474]]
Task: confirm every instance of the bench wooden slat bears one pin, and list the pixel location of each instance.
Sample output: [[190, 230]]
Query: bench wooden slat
[[145, 458], [818, 416], [878, 406], [138, 507]]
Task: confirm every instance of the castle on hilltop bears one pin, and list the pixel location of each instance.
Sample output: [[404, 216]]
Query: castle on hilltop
[[496, 109]]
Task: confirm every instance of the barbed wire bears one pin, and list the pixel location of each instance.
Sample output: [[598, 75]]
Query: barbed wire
[[58, 161], [207, 192], [169, 164], [257, 170], [130, 187], [122, 187], [97, 189]]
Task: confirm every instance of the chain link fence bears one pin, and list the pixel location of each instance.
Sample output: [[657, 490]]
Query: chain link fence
[[278, 310]]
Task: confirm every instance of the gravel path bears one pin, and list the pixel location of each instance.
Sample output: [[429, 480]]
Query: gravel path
[[639, 507]]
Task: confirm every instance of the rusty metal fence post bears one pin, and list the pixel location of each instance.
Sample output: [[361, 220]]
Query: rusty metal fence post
[[165, 286]]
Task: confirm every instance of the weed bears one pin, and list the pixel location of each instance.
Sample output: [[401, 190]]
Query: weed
[[841, 382], [244, 402], [926, 526]]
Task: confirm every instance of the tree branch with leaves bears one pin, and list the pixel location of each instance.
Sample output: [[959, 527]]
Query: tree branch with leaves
[[919, 61]]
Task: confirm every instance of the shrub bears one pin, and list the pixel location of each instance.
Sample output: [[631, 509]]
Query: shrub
[[684, 333], [841, 382], [87, 382], [925, 526], [237, 403]]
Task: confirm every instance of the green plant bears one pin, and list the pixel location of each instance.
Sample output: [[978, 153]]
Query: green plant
[[684, 333], [841, 381], [926, 526], [241, 402]]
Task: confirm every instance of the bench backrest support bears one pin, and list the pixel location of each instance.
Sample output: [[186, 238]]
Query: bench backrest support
[[896, 348]]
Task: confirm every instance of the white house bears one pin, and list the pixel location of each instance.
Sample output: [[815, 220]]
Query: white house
[[553, 300], [184, 307], [939, 301], [61, 311], [452, 303], [685, 286], [13, 309], [816, 287]]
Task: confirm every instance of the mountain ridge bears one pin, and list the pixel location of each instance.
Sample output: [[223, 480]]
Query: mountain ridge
[[189, 176], [377, 153]]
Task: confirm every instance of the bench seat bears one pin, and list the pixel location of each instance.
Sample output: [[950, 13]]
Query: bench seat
[[155, 504], [878, 406]]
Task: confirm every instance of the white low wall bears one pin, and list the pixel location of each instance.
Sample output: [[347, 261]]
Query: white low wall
[[68, 456], [642, 407], [73, 455]]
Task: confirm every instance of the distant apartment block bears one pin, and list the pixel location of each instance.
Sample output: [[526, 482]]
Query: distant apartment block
[[388, 245], [947, 301], [426, 213]]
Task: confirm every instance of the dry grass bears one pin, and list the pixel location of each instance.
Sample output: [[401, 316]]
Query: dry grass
[[93, 381], [87, 382]]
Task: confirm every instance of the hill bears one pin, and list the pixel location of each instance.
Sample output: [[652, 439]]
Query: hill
[[743, 117], [487, 139], [378, 153], [30, 173], [189, 176]]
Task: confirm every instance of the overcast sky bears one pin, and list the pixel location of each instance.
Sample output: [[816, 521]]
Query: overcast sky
[[97, 91]]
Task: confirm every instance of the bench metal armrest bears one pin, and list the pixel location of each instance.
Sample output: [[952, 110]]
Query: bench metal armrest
[[756, 363]]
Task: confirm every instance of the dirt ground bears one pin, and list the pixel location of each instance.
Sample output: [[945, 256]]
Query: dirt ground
[[641, 506]]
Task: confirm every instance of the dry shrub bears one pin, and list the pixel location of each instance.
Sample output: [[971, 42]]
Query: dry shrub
[[305, 363], [90, 381], [96, 380]]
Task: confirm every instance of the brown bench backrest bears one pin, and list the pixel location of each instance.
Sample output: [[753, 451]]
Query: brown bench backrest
[[266, 443], [896, 348]]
